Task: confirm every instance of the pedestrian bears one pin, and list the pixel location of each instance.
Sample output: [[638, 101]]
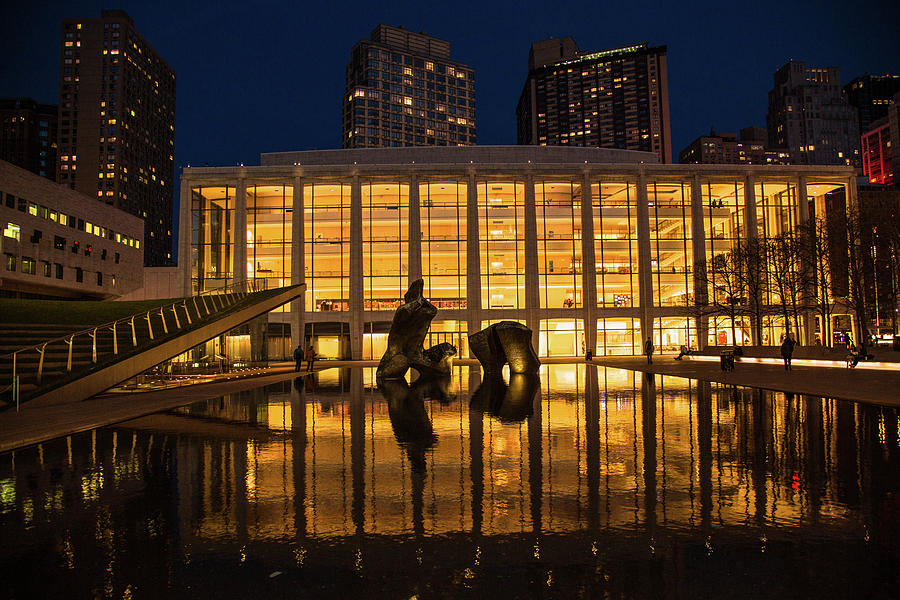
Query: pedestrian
[[648, 350], [298, 357], [310, 358], [682, 351], [787, 350]]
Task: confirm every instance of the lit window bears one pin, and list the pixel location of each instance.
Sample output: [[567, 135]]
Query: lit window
[[13, 231]]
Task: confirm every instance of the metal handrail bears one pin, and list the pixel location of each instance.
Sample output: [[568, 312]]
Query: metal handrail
[[226, 296]]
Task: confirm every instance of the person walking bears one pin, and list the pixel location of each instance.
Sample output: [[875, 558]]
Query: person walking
[[298, 357], [787, 350], [310, 359], [648, 350]]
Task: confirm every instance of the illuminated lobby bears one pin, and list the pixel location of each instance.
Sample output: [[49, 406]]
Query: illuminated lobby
[[593, 249]]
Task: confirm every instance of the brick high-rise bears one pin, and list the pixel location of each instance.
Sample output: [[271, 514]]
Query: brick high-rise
[[616, 98], [117, 123], [402, 89]]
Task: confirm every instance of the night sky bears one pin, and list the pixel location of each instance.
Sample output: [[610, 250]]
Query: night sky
[[268, 76]]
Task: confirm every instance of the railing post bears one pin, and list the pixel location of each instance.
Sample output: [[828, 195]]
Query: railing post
[[115, 338], [16, 391], [187, 312], [175, 312], [149, 325], [93, 335], [162, 316], [40, 372], [205, 305], [15, 355], [69, 360], [133, 332]]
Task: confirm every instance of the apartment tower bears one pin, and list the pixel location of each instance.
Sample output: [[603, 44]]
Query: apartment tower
[[810, 117], [404, 90], [28, 135], [117, 123], [615, 98]]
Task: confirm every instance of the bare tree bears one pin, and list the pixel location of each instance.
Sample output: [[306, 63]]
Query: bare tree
[[816, 249], [787, 276]]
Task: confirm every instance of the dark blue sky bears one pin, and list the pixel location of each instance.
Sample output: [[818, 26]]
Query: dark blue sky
[[268, 76]]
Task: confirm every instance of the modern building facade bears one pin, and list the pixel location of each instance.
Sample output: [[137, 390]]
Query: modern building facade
[[28, 135], [117, 123], [616, 98], [880, 161], [591, 248], [57, 243], [403, 89], [877, 153], [871, 95], [809, 116]]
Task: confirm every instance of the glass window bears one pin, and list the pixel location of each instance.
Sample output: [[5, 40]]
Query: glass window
[[12, 231], [385, 238], [501, 227], [616, 243], [326, 234], [443, 217], [28, 265], [558, 210]]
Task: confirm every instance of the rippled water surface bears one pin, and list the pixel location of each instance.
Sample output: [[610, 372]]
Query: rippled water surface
[[583, 482]]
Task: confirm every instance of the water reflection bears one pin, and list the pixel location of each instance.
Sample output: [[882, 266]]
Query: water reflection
[[583, 480]]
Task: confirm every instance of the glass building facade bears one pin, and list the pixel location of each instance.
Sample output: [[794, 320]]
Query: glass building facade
[[592, 249]]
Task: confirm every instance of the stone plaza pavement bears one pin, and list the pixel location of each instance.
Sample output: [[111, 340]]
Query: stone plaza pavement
[[34, 423], [866, 383]]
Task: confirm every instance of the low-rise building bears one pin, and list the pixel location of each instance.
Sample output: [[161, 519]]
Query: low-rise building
[[58, 243]]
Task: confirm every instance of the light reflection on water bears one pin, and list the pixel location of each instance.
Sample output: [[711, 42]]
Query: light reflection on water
[[584, 480]]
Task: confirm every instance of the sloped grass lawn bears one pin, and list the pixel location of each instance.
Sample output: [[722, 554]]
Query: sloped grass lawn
[[72, 312]]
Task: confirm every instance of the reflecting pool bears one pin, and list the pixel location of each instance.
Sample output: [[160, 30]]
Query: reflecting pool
[[582, 482]]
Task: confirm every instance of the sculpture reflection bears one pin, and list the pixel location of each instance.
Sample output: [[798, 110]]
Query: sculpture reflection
[[414, 431], [510, 403]]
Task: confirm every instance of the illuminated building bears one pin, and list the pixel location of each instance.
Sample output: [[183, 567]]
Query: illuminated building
[[810, 117], [591, 248], [877, 155], [616, 98], [404, 90], [725, 148], [117, 123], [871, 96], [57, 243], [28, 135]]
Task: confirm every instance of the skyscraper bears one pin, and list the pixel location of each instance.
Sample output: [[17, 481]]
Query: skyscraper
[[117, 123], [871, 95], [404, 90], [809, 115], [28, 135], [616, 98]]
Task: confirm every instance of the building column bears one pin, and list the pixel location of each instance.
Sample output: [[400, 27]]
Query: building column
[[239, 266], [698, 245], [473, 259], [298, 264], [809, 316], [185, 239], [751, 228], [356, 271], [532, 288], [588, 267], [414, 256], [645, 275]]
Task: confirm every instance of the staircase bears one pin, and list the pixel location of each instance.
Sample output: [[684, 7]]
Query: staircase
[[49, 361]]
